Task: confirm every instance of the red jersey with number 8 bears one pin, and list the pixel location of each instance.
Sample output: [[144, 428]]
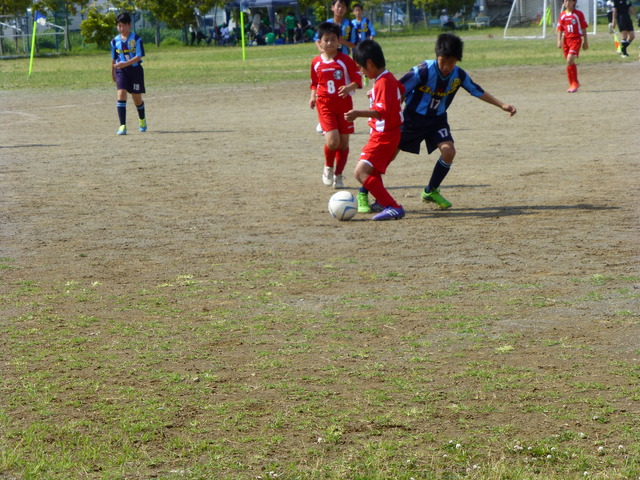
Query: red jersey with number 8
[[327, 76]]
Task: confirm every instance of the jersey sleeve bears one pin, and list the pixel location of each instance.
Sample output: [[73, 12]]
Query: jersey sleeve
[[314, 76], [411, 79], [469, 85], [139, 46], [372, 30], [353, 71], [583, 22]]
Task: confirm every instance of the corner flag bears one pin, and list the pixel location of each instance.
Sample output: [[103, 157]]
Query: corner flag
[[38, 19], [616, 42]]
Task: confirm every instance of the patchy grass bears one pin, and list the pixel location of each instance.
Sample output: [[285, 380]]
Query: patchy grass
[[195, 378]]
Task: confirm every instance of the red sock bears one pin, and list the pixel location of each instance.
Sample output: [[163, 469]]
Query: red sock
[[374, 184], [570, 74], [574, 72], [341, 160], [329, 156]]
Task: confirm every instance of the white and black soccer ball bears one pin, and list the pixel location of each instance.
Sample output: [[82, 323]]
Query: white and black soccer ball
[[343, 205]]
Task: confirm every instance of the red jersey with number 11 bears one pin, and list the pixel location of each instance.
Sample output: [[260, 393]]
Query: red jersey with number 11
[[573, 24]]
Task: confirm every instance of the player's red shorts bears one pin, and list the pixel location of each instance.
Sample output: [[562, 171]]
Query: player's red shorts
[[571, 46], [380, 149], [331, 116]]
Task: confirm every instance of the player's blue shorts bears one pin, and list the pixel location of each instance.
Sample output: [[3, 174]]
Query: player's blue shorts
[[130, 79], [433, 131]]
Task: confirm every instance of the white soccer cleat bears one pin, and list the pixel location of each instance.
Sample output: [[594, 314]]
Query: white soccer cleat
[[327, 176], [338, 181]]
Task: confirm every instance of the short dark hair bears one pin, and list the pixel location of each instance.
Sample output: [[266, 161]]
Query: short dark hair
[[357, 5], [449, 45], [123, 17], [369, 50], [329, 27], [346, 3]]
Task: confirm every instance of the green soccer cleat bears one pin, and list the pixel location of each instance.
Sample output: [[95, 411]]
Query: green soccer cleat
[[435, 197], [363, 203], [122, 130], [143, 124]]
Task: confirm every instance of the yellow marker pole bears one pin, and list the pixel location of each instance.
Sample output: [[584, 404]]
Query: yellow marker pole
[[244, 57], [33, 46]]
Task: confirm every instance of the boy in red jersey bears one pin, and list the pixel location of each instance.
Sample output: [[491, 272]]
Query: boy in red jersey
[[573, 26], [385, 118], [334, 76]]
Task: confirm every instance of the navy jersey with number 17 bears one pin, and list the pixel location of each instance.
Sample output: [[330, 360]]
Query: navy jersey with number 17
[[429, 94]]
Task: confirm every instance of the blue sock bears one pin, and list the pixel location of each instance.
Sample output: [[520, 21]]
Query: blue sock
[[140, 110], [364, 190], [440, 171], [122, 112]]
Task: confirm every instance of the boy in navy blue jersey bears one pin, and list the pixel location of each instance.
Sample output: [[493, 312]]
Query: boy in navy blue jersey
[[340, 8], [430, 89], [126, 70]]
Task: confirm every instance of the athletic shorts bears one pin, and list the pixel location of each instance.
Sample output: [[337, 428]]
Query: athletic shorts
[[625, 24], [130, 79], [571, 46], [433, 132], [381, 149], [330, 120]]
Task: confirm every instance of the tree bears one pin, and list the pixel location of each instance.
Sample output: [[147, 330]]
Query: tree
[[98, 27], [177, 13], [64, 6]]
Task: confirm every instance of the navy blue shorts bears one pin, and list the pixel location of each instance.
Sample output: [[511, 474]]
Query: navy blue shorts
[[433, 132], [130, 79]]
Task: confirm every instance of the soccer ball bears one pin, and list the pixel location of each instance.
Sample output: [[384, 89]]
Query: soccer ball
[[343, 205]]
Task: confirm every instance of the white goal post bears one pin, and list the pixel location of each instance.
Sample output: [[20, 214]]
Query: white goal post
[[538, 18]]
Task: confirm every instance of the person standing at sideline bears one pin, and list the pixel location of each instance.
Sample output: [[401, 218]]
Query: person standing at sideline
[[622, 13], [126, 70], [573, 27]]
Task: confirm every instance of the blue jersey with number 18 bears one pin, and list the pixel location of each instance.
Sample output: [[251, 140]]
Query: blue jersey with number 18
[[429, 93]]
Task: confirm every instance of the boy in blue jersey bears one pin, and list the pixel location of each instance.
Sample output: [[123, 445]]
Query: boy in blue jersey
[[430, 89], [347, 40], [362, 27], [126, 70]]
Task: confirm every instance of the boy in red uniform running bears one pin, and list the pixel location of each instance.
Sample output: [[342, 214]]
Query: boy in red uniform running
[[385, 118], [574, 27], [334, 76]]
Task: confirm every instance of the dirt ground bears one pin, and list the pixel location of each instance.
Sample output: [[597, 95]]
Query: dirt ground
[[228, 179]]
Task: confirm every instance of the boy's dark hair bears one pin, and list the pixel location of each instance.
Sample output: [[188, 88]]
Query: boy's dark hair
[[346, 3], [357, 5], [369, 50], [123, 17], [449, 45], [329, 27]]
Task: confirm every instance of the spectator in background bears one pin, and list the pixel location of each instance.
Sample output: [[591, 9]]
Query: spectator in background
[[445, 20]]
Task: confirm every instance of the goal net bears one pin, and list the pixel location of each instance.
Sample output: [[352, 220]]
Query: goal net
[[538, 18]]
